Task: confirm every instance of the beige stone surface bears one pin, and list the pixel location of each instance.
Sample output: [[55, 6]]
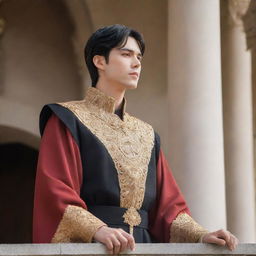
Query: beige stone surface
[[141, 249], [195, 108], [238, 131], [39, 62]]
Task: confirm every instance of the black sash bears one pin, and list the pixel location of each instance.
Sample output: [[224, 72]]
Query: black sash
[[113, 215]]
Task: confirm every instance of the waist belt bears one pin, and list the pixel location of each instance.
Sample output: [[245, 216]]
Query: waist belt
[[114, 215]]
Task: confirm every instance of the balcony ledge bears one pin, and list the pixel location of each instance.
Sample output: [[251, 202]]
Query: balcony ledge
[[141, 249]]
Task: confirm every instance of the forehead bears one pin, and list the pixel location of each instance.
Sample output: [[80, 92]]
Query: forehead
[[132, 44]]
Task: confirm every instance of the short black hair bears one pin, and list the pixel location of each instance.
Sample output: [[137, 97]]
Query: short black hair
[[104, 40]]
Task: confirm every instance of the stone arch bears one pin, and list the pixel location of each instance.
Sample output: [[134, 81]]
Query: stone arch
[[23, 128], [40, 47], [39, 60], [16, 135]]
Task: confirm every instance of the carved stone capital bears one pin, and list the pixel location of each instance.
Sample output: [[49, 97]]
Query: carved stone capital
[[249, 20], [237, 9]]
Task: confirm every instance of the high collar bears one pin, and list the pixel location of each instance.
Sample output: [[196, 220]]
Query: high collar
[[100, 100]]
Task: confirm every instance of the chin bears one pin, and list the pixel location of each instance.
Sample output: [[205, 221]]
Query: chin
[[131, 86]]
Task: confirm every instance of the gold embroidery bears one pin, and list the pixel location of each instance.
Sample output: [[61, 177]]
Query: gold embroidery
[[185, 230], [77, 224], [132, 218], [128, 141]]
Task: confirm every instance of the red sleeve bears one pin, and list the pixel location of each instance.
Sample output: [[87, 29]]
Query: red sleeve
[[58, 179], [169, 202]]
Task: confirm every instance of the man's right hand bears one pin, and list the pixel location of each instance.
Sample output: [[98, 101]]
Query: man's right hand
[[115, 239]]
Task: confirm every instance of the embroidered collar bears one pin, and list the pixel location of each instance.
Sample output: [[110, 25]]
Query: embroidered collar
[[99, 99]]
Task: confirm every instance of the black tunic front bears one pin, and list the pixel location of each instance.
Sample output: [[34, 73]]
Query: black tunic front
[[100, 189]]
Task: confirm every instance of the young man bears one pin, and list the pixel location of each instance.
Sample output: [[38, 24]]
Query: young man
[[102, 175]]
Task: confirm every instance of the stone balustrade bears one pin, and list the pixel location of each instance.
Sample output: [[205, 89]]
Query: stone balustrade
[[141, 249]]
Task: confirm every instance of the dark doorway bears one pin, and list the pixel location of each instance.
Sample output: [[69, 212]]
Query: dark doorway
[[17, 178]]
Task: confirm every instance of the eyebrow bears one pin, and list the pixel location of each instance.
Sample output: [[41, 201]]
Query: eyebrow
[[130, 50]]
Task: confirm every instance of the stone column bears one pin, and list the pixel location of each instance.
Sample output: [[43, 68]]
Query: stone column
[[195, 107], [238, 126]]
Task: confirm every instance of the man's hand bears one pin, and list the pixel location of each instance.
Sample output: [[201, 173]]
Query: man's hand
[[115, 239], [221, 237]]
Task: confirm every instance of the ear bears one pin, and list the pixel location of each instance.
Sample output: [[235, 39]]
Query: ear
[[99, 62]]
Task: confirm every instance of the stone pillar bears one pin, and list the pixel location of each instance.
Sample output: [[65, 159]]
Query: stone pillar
[[238, 126], [195, 107]]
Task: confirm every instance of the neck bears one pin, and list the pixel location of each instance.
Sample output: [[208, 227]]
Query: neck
[[116, 93]]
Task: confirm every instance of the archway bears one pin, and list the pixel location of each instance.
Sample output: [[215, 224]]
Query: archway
[[40, 66], [17, 175]]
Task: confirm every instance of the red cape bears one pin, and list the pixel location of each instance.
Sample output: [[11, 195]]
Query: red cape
[[59, 178]]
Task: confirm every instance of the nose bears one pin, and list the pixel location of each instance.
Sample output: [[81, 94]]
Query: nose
[[136, 63]]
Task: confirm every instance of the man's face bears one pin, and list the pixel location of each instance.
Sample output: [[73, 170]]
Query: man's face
[[124, 65]]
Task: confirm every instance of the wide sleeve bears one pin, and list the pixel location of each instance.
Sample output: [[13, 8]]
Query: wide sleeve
[[170, 219], [60, 215]]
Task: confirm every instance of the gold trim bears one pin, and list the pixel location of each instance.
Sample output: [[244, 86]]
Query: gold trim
[[185, 229], [128, 141], [77, 225], [132, 217]]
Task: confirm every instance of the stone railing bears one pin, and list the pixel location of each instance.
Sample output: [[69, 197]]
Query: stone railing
[[141, 249]]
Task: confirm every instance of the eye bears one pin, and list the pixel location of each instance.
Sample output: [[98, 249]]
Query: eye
[[125, 54], [139, 58]]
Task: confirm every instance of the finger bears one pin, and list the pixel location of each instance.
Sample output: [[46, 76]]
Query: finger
[[237, 241], [233, 242], [230, 239], [215, 240], [124, 242], [230, 242], [130, 239], [109, 246], [224, 234], [116, 244]]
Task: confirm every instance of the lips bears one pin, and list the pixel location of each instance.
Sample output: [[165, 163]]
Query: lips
[[134, 73]]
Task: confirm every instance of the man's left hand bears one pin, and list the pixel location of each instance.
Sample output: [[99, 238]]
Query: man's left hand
[[221, 237]]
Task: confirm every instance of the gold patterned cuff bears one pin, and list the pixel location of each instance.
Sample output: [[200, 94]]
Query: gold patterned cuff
[[185, 229], [77, 225]]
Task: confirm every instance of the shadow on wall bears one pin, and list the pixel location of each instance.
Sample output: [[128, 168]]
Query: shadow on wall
[[17, 178]]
